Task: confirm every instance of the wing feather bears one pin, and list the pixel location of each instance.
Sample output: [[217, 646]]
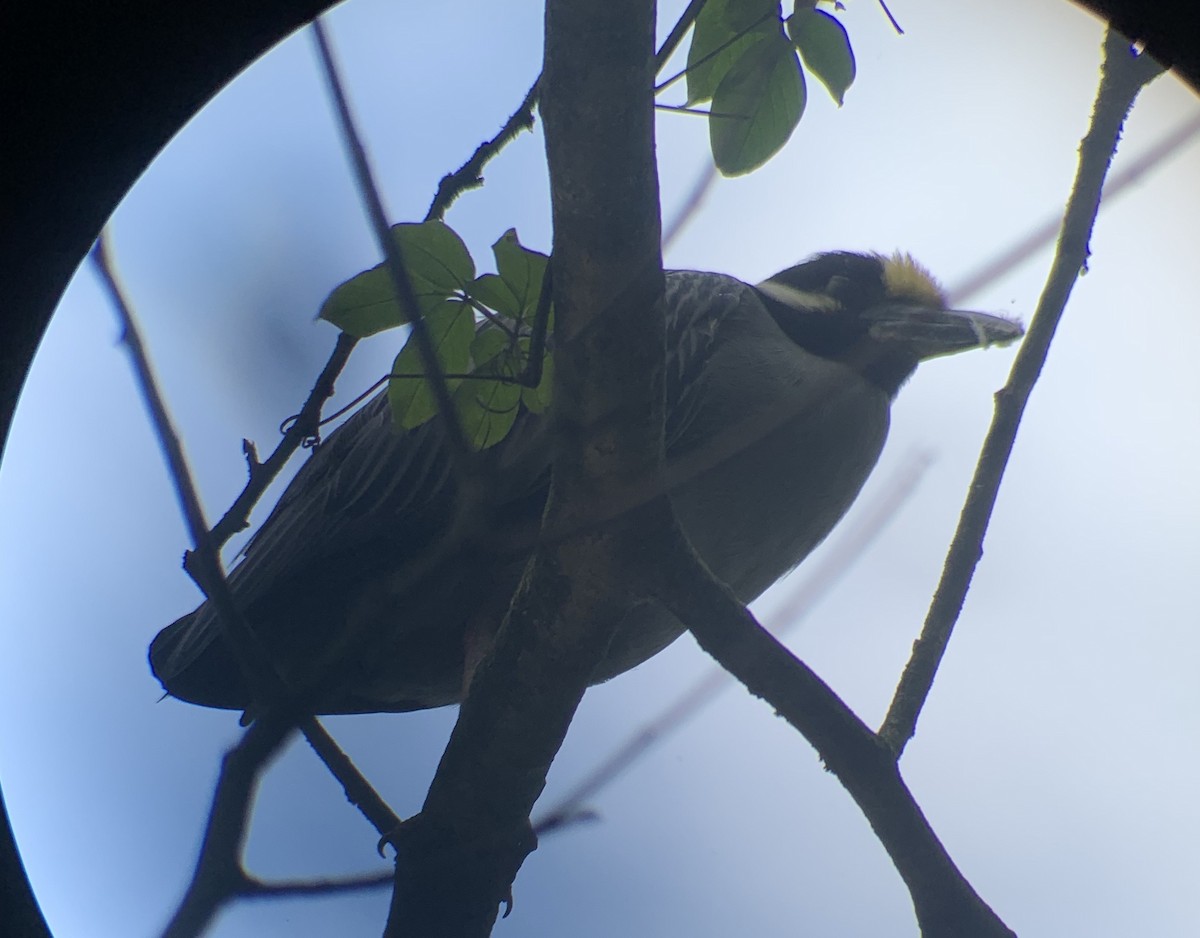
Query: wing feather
[[372, 496]]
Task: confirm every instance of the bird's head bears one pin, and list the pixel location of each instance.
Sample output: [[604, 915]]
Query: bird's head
[[880, 315]]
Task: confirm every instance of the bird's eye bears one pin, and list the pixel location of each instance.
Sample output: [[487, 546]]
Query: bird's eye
[[837, 285]]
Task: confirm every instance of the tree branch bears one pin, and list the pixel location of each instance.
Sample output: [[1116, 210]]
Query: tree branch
[[470, 174], [254, 888], [1122, 76], [678, 31], [457, 859], [462, 456], [946, 905], [301, 429], [359, 792], [218, 875], [849, 545], [249, 652]]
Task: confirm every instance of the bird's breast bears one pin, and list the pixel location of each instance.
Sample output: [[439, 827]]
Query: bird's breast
[[772, 479], [778, 444]]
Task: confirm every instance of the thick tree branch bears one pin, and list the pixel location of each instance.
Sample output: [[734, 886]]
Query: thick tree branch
[[219, 875], [457, 858], [946, 905], [849, 545], [1122, 77]]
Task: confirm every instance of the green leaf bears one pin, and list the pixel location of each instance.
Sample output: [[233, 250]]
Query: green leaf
[[522, 271], [487, 410], [496, 353], [757, 106], [724, 30], [452, 328], [366, 304], [489, 343], [825, 47], [435, 255], [491, 291], [514, 290], [438, 264]]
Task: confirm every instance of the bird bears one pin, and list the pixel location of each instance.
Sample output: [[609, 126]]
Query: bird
[[777, 401]]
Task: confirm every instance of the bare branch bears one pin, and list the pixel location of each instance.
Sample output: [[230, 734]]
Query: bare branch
[[849, 546], [891, 19], [359, 792], [470, 174], [685, 22], [250, 654], [945, 903], [304, 427], [1122, 77], [219, 876], [457, 858], [749, 28], [460, 450], [1043, 234], [254, 888]]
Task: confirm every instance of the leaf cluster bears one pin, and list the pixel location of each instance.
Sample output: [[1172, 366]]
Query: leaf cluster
[[483, 328], [746, 58]]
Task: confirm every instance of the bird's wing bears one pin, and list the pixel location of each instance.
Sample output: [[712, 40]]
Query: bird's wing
[[372, 494], [368, 470], [699, 307]]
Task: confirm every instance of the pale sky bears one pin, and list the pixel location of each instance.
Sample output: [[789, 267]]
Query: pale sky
[[1057, 754]]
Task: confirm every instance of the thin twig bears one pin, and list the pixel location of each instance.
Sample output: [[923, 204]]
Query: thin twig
[[1123, 75], [462, 456], [700, 112], [301, 430], [359, 792], [470, 174], [891, 19], [1044, 233], [691, 205], [494, 318], [678, 31], [248, 651], [254, 888], [218, 869], [664, 85]]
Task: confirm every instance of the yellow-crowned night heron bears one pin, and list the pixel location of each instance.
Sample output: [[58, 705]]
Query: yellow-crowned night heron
[[778, 401]]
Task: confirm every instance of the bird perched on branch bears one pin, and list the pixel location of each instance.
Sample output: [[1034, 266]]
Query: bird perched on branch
[[363, 591]]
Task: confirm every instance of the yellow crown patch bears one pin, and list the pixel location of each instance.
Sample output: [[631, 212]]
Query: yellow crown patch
[[905, 279]]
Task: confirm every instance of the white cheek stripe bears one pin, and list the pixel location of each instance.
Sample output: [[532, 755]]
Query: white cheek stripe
[[798, 299]]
